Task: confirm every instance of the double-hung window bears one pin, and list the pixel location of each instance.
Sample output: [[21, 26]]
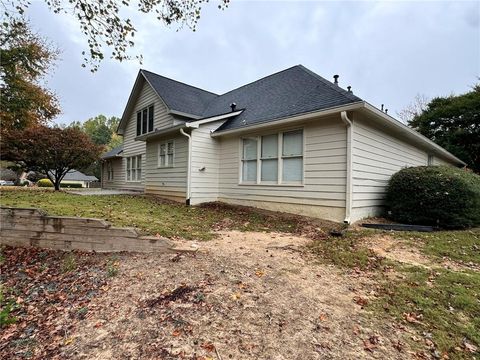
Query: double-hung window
[[134, 168], [249, 160], [145, 120], [166, 152], [273, 159], [109, 171]]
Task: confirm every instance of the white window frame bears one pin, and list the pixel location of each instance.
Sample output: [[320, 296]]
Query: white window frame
[[167, 164], [280, 159], [133, 174]]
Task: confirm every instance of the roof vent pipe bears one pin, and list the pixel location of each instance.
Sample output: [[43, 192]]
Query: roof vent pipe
[[386, 111], [382, 107], [349, 88], [233, 106], [335, 79]]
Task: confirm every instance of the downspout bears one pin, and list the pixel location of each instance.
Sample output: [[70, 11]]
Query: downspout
[[349, 183], [189, 164]]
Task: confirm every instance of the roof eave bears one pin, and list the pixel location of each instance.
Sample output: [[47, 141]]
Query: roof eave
[[163, 132], [290, 119], [411, 133]]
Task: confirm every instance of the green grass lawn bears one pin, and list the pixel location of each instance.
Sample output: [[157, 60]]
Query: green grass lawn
[[444, 303], [152, 215]]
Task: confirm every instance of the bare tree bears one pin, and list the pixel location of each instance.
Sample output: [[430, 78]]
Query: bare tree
[[415, 108], [104, 25]]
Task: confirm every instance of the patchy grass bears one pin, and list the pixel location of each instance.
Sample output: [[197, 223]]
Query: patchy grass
[[460, 246], [442, 305], [152, 215], [40, 301], [346, 252]]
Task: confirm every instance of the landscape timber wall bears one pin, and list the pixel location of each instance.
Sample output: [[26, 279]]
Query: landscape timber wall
[[32, 227]]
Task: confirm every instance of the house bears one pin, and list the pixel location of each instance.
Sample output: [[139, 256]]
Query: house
[[292, 141], [77, 177]]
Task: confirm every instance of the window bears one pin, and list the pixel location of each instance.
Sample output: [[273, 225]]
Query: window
[[134, 168], [277, 157], [109, 171], [145, 120], [430, 160], [292, 156], [166, 151], [249, 160]]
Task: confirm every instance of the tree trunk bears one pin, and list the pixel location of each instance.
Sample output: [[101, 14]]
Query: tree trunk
[[56, 185]]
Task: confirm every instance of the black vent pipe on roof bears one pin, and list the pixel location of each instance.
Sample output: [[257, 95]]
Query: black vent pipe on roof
[[335, 79], [233, 106]]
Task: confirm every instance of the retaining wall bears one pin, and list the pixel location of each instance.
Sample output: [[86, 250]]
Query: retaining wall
[[32, 227]]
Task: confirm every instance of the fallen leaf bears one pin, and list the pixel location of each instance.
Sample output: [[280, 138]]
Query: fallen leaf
[[360, 301], [176, 332], [68, 341], [411, 318], [208, 346], [469, 347], [259, 273], [323, 317]]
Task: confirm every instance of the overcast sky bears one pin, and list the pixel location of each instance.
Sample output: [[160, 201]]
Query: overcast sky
[[387, 51]]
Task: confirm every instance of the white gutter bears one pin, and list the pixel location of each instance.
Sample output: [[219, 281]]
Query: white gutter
[[183, 114], [291, 119], [349, 183], [409, 132], [217, 117]]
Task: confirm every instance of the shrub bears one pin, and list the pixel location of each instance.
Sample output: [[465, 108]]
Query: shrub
[[44, 183], [434, 195]]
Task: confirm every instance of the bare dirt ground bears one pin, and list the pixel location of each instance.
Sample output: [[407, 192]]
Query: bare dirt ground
[[387, 246], [243, 295]]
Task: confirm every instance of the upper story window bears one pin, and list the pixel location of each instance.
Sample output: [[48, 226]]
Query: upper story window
[[273, 159], [166, 152], [145, 120]]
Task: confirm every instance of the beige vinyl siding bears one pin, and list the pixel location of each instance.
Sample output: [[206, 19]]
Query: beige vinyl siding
[[437, 161], [205, 154], [168, 182], [323, 192], [161, 119], [377, 155]]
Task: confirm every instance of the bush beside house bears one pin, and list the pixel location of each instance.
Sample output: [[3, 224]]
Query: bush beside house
[[434, 195]]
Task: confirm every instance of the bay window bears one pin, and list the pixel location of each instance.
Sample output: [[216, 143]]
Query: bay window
[[273, 159]]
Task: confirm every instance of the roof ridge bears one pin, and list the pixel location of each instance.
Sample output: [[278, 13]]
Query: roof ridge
[[180, 82], [336, 88], [262, 78]]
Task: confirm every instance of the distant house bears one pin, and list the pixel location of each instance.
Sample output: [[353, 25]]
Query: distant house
[[77, 177], [292, 141]]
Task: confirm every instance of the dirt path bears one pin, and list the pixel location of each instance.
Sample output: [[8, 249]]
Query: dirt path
[[242, 296]]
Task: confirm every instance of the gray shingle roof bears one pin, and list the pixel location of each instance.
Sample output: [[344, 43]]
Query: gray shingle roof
[[75, 175], [293, 91], [112, 153], [179, 96]]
